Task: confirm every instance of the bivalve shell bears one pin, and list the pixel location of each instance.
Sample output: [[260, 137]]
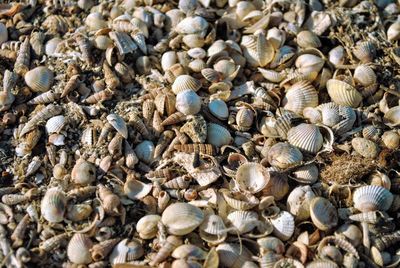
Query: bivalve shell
[[283, 224], [119, 124], [298, 202], [147, 226], [299, 96], [219, 109], [391, 139], [39, 79], [240, 201], [53, 205], [364, 75], [145, 151], [308, 39], [135, 189], [372, 197], [182, 218], [188, 102], [233, 255], [218, 135], [306, 137], [323, 214], [252, 177], [243, 221], [343, 94], [78, 249], [83, 172], [3, 33], [126, 251], [392, 117], [213, 229], [55, 124], [185, 82], [307, 174], [284, 155]]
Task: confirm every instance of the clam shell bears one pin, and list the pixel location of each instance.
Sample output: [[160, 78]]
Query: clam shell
[[284, 123], [189, 251], [365, 148], [364, 75], [126, 251], [168, 59], [323, 214], [308, 39], [197, 65], [307, 174], [365, 51], [119, 124], [372, 197], [233, 255], [78, 249], [147, 226], [192, 25], [188, 102], [252, 177], [213, 229], [299, 96], [135, 189], [284, 155], [283, 224], [243, 221], [39, 79], [219, 109], [391, 139], [3, 33], [277, 185], [83, 172], [306, 137], [218, 135], [343, 94], [271, 75], [53, 205], [298, 202], [392, 116], [240, 201], [309, 64], [55, 124], [182, 218], [393, 32], [185, 82], [145, 151]]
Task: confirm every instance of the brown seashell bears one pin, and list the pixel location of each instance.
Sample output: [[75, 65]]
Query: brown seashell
[[101, 250], [170, 244]]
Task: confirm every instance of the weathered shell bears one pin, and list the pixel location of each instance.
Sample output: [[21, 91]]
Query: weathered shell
[[343, 93], [232, 255], [126, 251], [308, 39], [185, 82], [309, 64], [393, 32], [219, 109], [306, 137], [55, 124], [365, 51], [147, 226], [307, 174], [283, 224], [284, 155], [392, 116], [252, 177], [166, 249], [213, 229], [83, 172], [188, 102], [299, 96], [239, 201], [364, 75], [218, 135], [181, 218], [79, 212], [243, 221], [78, 249], [298, 202], [372, 197], [46, 97], [135, 189], [3, 33], [391, 139], [119, 124], [189, 251], [39, 79], [364, 147], [192, 25], [323, 214], [53, 205], [145, 151]]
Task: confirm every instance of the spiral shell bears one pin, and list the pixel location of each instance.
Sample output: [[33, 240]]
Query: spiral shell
[[181, 218], [78, 249], [53, 205], [372, 197], [306, 137], [39, 79], [343, 93], [323, 214]]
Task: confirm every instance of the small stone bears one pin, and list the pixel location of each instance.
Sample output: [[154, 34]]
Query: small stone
[[365, 148]]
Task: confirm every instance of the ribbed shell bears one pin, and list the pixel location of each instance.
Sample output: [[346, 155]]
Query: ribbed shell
[[312, 114], [211, 75], [185, 82], [188, 102], [322, 264], [372, 197], [283, 225], [308, 39], [306, 137], [307, 174], [365, 51], [147, 226], [53, 205], [299, 96], [126, 251], [119, 124], [213, 229], [182, 218], [243, 221], [135, 189], [55, 124], [323, 214], [145, 151], [252, 177], [364, 75], [219, 109], [343, 94], [240, 201], [218, 135], [232, 255], [271, 75], [39, 79], [284, 155], [78, 249], [284, 123], [44, 98], [298, 202]]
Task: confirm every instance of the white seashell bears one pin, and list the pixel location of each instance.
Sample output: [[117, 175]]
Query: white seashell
[[193, 40], [185, 82], [299, 96], [216, 47], [56, 139], [55, 124], [252, 177], [102, 42], [126, 251], [51, 46], [83, 172], [308, 39], [3, 33], [365, 51], [53, 205], [188, 102], [243, 221], [218, 135], [393, 32], [372, 197], [392, 117], [364, 75], [271, 75], [343, 94], [213, 229], [233, 255], [135, 189], [192, 25], [168, 59], [391, 139], [283, 224], [78, 249], [298, 202], [284, 155], [197, 65], [309, 64], [182, 218], [197, 53], [147, 226], [239, 201], [145, 151], [189, 251], [119, 124], [307, 174], [39, 79], [337, 55], [219, 109], [95, 21], [323, 214], [306, 137]]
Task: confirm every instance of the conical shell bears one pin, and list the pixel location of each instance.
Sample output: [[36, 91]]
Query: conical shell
[[306, 137], [39, 79], [218, 135], [135, 189], [283, 224], [307, 174], [126, 251], [188, 102], [243, 221], [55, 124], [323, 214], [298, 202], [372, 197], [147, 226], [185, 82], [78, 249], [299, 96], [343, 94], [284, 155], [252, 177], [182, 218], [145, 151], [53, 205], [239, 201], [219, 109], [119, 124]]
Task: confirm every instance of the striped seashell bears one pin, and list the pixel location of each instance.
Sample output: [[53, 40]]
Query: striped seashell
[[83, 172], [313, 115], [119, 124], [147, 226], [365, 51], [283, 57], [181, 182], [44, 98], [277, 186], [298, 202], [188, 102], [88, 136], [213, 229], [364, 75], [99, 97], [276, 36], [182, 218], [184, 82], [307, 174], [323, 214], [372, 197], [343, 93], [148, 108], [165, 103], [71, 85], [381, 258], [308, 39], [53, 205], [243, 221], [211, 75], [370, 132], [285, 122], [208, 149], [245, 118], [22, 62], [135, 189], [189, 251], [351, 232], [239, 201], [44, 114], [14, 199], [218, 135], [234, 255], [197, 65], [348, 117], [299, 96], [219, 109], [283, 224], [330, 113], [145, 151], [102, 249], [55, 124], [269, 259], [372, 217], [284, 155], [171, 243], [271, 75], [126, 251], [383, 242], [39, 79], [252, 177], [306, 137], [33, 166], [78, 249], [339, 242]]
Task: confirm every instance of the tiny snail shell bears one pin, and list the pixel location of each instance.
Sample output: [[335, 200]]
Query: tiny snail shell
[[39, 79], [182, 218], [188, 102], [78, 249], [147, 226], [83, 172], [53, 205]]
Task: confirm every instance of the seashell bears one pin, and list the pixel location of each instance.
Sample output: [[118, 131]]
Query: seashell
[[55, 124], [271, 243], [53, 205], [3, 34], [337, 55], [188, 102], [306, 137], [271, 75], [323, 214], [322, 263], [244, 118], [126, 251], [51, 46], [299, 96], [232, 255], [170, 244], [208, 149], [78, 249], [243, 221], [184, 82], [56, 139], [79, 212], [277, 185], [372, 217], [181, 218], [95, 21], [193, 40], [332, 253], [44, 98], [284, 155], [298, 202], [308, 39], [165, 103], [213, 229], [197, 65], [147, 226], [218, 135], [283, 224], [102, 42], [101, 250], [393, 32], [83, 172], [343, 94], [372, 197], [145, 151], [196, 129], [307, 174], [219, 109], [364, 75], [39, 79], [192, 25], [365, 51], [365, 148], [380, 258], [277, 37], [197, 53], [181, 182], [351, 232], [391, 139], [252, 177], [392, 117], [189, 251], [135, 189], [119, 124], [309, 64], [239, 201]]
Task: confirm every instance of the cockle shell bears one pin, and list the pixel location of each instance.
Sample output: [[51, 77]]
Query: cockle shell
[[243, 221], [189, 251], [271, 244], [182, 218], [78, 249], [284, 155], [391, 139], [392, 117], [119, 124], [213, 229], [308, 39], [307, 174], [232, 255], [185, 82], [277, 185], [252, 177], [364, 75], [3, 33], [53, 205], [55, 124], [323, 214], [188, 102], [83, 172], [192, 25], [147, 226], [218, 135], [239, 201], [219, 109], [343, 93], [365, 51], [309, 64], [298, 202], [283, 224], [136, 189], [39, 79], [299, 96], [306, 137], [372, 197], [145, 151], [126, 251]]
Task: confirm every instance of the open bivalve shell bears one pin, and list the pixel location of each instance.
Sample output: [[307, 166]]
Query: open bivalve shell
[[372, 197], [323, 214], [135, 189], [182, 218], [299, 96], [238, 200], [234, 255], [243, 221], [298, 202], [306, 137], [252, 177], [343, 93], [126, 251], [284, 225], [78, 249], [213, 229]]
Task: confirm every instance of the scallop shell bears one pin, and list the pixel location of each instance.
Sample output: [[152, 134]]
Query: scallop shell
[[252, 177], [182, 218], [213, 229], [323, 214], [343, 94], [306, 137], [135, 189], [372, 197], [283, 224], [119, 124], [307, 174], [284, 155], [219, 109], [188, 102], [298, 202], [145, 151], [78, 249], [39, 79], [55, 124], [218, 135], [126, 251], [83, 172], [240, 201], [53, 205], [243, 221], [147, 226], [299, 96]]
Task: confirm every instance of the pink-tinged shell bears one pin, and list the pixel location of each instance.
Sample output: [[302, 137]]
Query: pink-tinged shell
[[372, 197], [78, 249], [53, 205], [83, 172], [252, 177]]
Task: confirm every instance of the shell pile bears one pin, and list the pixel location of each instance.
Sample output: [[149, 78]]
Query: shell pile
[[200, 133]]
